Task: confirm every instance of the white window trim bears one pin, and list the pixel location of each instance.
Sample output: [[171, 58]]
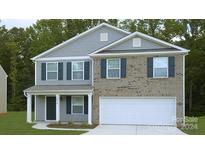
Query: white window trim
[[133, 42], [104, 33], [74, 71], [161, 67], [72, 104], [51, 71], [113, 68]]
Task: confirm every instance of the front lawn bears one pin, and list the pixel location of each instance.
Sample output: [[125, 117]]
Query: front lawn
[[14, 123], [195, 126]]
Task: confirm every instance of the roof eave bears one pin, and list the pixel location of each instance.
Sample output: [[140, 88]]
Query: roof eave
[[140, 53]]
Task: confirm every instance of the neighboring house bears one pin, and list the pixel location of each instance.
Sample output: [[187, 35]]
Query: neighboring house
[[110, 76], [3, 91]]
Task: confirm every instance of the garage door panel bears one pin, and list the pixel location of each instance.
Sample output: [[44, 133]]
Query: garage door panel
[[147, 111]]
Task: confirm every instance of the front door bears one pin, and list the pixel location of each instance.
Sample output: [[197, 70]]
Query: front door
[[50, 108]]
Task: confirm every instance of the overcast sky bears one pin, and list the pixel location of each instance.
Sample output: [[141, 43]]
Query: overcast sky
[[9, 23]]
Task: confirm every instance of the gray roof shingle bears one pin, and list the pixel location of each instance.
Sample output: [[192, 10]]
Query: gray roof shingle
[[56, 88]]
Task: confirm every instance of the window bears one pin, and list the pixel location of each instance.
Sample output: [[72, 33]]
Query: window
[[77, 104], [160, 67], [136, 42], [52, 71], [103, 36], [78, 70], [113, 68]]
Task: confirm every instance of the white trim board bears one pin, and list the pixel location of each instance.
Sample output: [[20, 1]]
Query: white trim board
[[139, 35], [63, 58], [61, 93], [78, 36], [139, 53]]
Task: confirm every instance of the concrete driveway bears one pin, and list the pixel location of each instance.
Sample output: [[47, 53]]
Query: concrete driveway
[[134, 130]]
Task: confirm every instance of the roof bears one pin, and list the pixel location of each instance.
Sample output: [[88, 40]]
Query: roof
[[77, 37], [180, 49], [58, 88], [2, 70]]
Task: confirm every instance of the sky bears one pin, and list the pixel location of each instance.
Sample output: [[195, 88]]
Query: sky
[[10, 23]]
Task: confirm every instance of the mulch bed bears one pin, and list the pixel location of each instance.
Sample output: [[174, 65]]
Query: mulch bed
[[76, 126]]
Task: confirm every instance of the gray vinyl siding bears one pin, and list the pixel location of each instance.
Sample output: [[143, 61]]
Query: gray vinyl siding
[[87, 44], [3, 91], [40, 111], [145, 44], [64, 81], [40, 108]]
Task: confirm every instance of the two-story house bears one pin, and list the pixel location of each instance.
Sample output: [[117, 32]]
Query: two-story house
[[109, 76]]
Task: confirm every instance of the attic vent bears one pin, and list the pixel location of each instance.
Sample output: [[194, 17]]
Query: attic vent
[[103, 36], [136, 42]]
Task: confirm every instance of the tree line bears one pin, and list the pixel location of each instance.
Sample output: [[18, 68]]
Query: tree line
[[18, 45]]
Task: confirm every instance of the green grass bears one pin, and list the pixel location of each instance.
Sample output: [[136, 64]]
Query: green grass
[[195, 128], [14, 123]]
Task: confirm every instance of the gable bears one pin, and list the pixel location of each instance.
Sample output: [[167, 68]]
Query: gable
[[149, 45], [87, 43], [145, 44]]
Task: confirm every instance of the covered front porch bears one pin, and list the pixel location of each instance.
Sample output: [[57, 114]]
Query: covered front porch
[[59, 103]]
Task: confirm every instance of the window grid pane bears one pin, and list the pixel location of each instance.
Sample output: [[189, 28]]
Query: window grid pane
[[113, 63], [52, 67], [78, 75], [161, 62], [77, 66], [52, 75], [77, 109], [160, 72], [113, 73]]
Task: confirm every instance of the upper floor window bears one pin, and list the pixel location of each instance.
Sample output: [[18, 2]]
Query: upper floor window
[[113, 68], [136, 42], [160, 67], [103, 36], [52, 71], [78, 70]]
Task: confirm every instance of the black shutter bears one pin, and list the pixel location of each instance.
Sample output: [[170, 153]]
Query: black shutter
[[171, 66], [85, 104], [68, 104], [103, 68], [86, 70], [43, 71], [150, 67], [123, 67], [60, 71], [69, 69]]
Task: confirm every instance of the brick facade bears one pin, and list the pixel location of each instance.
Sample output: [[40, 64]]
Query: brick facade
[[136, 83]]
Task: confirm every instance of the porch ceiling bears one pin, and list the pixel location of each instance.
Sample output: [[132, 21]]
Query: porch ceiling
[[59, 89]]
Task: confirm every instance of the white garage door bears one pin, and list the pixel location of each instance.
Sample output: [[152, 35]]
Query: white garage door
[[142, 111]]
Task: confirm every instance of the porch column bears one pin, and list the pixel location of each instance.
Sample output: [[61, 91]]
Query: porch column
[[29, 108], [90, 109], [57, 107]]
